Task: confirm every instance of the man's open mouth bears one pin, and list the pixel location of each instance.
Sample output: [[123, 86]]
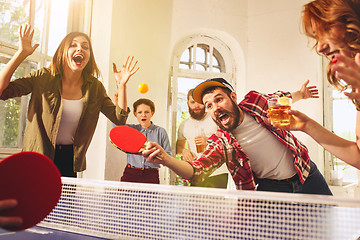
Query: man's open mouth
[[224, 118]]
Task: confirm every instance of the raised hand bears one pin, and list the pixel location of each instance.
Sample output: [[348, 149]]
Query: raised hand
[[25, 38], [348, 69], [308, 91], [128, 69]]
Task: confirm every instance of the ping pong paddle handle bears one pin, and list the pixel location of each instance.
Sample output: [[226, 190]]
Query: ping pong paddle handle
[[159, 156]]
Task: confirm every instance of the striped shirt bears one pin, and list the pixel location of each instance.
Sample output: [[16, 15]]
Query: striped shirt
[[223, 147]]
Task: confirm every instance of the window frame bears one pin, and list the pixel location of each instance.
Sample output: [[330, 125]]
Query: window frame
[[176, 72], [328, 121]]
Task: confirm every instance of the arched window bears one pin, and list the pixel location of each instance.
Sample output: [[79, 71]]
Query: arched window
[[195, 59]]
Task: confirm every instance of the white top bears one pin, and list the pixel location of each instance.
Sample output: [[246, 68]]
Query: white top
[[70, 117], [191, 128], [269, 158]]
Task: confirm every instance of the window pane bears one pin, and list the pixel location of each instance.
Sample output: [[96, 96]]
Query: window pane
[[10, 134], [344, 118], [185, 56], [200, 67], [184, 66], [200, 55], [12, 14], [344, 122], [9, 120], [58, 24], [185, 60], [216, 69], [39, 22], [215, 61], [184, 85]]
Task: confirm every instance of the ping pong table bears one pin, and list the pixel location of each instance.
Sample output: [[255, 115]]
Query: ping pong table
[[42, 233], [91, 209]]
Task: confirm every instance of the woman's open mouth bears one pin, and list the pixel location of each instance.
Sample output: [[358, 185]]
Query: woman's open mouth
[[78, 59]]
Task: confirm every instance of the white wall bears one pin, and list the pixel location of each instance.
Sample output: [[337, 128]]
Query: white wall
[[137, 28], [265, 33], [225, 19], [280, 58], [100, 24]]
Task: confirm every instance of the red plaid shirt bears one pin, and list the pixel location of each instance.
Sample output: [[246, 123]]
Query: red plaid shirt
[[223, 147]]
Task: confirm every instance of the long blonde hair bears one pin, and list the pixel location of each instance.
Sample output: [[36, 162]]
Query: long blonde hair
[[327, 14], [60, 57]]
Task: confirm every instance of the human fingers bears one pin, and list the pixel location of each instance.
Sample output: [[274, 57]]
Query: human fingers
[[297, 120], [350, 76], [135, 71], [306, 83], [129, 66], [347, 69], [127, 61], [31, 33], [311, 87], [8, 203], [114, 68], [297, 116], [353, 95], [188, 156], [133, 67], [314, 93], [7, 222], [294, 112], [21, 31], [35, 47], [153, 155], [357, 59], [198, 141], [27, 30], [31, 37], [131, 59], [149, 148]]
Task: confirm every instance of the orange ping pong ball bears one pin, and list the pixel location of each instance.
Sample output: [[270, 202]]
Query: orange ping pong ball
[[143, 88]]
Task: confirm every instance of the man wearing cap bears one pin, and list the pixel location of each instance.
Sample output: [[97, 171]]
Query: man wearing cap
[[193, 131], [258, 155]]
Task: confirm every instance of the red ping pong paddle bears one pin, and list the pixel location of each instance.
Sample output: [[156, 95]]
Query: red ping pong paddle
[[34, 181], [129, 140]]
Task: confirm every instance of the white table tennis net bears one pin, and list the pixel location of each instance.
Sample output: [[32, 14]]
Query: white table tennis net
[[118, 210]]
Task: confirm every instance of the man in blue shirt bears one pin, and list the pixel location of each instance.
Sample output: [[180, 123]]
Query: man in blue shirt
[[137, 169]]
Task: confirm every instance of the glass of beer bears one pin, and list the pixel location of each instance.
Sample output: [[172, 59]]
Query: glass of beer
[[199, 146], [277, 111]]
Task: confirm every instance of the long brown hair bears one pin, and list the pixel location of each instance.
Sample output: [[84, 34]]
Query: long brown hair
[[60, 57], [327, 14]]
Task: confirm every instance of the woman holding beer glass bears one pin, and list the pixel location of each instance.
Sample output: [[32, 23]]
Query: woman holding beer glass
[[335, 25]]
